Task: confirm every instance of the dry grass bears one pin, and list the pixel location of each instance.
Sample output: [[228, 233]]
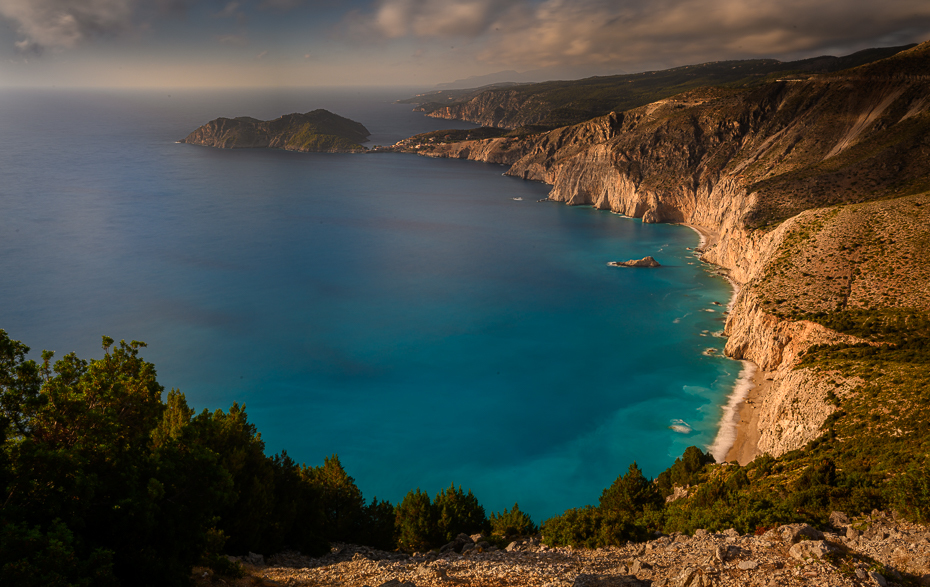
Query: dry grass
[[871, 255]]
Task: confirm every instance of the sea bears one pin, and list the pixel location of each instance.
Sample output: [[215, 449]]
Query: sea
[[431, 322]]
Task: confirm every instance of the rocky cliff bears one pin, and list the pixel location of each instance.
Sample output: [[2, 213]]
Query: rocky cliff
[[317, 131], [766, 169]]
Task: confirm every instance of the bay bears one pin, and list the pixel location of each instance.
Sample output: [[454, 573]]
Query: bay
[[427, 320]]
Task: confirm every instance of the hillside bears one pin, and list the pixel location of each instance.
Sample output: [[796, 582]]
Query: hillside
[[813, 193], [316, 131], [553, 104]]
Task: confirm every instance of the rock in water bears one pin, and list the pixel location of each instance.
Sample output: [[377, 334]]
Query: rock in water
[[644, 262]]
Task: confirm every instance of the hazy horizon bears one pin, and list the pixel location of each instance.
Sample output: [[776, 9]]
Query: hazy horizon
[[422, 43]]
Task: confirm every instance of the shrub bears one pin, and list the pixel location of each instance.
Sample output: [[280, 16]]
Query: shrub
[[912, 494], [591, 527], [512, 524], [684, 471]]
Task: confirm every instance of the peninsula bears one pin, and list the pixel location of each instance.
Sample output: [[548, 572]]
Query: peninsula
[[318, 131]]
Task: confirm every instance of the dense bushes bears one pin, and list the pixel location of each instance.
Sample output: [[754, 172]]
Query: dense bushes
[[85, 482], [591, 527], [105, 483]]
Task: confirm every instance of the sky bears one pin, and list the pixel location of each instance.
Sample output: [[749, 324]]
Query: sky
[[293, 43]]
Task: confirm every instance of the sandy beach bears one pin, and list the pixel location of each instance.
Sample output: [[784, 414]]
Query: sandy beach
[[745, 446], [745, 422], [708, 237]]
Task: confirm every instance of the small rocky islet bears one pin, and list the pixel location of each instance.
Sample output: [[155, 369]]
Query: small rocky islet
[[647, 262]]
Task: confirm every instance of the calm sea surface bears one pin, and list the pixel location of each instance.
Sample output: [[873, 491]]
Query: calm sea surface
[[406, 313]]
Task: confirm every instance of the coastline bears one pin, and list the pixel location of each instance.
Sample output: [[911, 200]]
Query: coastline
[[746, 422], [738, 433], [708, 237]]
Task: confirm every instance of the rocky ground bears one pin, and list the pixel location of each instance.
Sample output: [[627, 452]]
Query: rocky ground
[[870, 550]]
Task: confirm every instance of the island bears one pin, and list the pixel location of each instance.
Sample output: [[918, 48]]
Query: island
[[318, 131]]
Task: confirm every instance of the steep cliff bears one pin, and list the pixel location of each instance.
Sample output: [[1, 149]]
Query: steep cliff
[[318, 131], [765, 169]]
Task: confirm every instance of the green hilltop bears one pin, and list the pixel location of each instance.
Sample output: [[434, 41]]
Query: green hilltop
[[315, 131]]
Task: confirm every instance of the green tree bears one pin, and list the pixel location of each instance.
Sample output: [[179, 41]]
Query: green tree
[[241, 452], [341, 500], [630, 494], [378, 530], [684, 471], [415, 522], [457, 513]]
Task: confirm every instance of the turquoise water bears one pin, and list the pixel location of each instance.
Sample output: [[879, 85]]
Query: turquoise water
[[406, 313]]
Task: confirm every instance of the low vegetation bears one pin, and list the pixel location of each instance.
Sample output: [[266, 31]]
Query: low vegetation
[[107, 483]]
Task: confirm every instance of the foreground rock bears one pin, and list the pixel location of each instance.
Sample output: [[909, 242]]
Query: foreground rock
[[317, 131], [782, 556], [644, 262]]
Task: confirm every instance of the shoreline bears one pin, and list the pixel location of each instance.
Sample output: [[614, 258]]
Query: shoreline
[[745, 445], [738, 433], [708, 237]]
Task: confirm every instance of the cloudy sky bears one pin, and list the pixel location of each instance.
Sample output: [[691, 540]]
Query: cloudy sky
[[210, 43]]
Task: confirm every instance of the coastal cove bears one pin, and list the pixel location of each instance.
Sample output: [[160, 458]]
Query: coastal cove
[[428, 320]]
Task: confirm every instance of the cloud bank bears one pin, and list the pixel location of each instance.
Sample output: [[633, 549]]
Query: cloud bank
[[528, 33], [65, 23], [435, 18]]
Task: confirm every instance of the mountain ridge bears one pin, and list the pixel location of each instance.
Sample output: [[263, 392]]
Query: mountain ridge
[[553, 104]]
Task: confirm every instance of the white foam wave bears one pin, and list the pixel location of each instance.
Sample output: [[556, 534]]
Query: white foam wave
[[726, 435], [680, 426]]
